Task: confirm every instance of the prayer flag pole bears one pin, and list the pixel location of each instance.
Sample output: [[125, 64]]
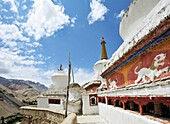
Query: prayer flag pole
[[69, 71]]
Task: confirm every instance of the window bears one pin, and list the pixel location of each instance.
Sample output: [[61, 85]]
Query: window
[[118, 103], [100, 100], [104, 101], [54, 101], [93, 100], [110, 102]]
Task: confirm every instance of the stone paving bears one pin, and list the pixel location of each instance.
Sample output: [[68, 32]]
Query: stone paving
[[91, 119]]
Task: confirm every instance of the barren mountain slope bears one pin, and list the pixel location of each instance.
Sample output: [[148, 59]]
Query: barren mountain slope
[[9, 103]]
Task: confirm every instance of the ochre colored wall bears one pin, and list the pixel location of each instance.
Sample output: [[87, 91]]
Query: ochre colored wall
[[126, 74]]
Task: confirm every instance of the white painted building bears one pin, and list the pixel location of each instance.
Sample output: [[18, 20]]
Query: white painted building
[[55, 97], [136, 97], [89, 97]]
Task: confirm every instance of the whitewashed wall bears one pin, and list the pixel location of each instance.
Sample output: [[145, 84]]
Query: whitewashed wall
[[87, 109], [74, 94], [117, 116], [42, 102], [56, 106], [74, 108]]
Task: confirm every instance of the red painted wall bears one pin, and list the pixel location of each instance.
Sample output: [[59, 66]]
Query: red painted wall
[[145, 67]]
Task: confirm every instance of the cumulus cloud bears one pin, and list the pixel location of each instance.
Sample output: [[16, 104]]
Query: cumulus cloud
[[3, 68], [120, 14], [15, 65], [24, 7], [4, 10], [45, 18], [17, 51], [73, 20], [98, 10], [11, 32], [14, 5], [82, 76]]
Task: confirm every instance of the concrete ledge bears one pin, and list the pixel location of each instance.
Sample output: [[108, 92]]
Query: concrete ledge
[[35, 115], [156, 88], [119, 116], [71, 119]]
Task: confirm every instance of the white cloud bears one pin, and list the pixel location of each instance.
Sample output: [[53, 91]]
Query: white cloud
[[73, 20], [24, 1], [45, 18], [14, 65], [8, 17], [14, 5], [11, 32], [4, 10], [31, 51], [17, 56], [82, 76], [40, 55], [98, 11], [120, 14], [24, 7], [36, 44]]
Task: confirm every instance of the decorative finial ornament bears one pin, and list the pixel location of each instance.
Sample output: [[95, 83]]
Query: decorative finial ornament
[[103, 52], [61, 67]]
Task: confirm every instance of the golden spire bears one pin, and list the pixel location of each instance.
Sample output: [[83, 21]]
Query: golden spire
[[103, 53]]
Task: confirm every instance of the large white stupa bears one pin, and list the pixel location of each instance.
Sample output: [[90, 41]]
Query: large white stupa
[[98, 67]]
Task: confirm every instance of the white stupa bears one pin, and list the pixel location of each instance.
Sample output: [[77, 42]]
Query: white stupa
[[55, 97], [60, 82], [98, 69]]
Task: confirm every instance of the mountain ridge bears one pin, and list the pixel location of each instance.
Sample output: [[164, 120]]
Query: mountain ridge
[[36, 85]]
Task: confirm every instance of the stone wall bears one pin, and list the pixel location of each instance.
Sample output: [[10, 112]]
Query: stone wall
[[33, 115]]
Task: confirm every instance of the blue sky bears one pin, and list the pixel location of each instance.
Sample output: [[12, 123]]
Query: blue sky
[[36, 36]]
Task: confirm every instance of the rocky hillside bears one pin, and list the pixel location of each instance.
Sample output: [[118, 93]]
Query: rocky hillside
[[10, 102], [13, 91], [37, 86]]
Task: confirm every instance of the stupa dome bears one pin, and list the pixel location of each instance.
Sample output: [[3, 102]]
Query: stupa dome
[[60, 80]]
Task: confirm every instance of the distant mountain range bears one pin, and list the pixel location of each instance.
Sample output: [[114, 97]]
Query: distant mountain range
[[36, 85], [13, 91]]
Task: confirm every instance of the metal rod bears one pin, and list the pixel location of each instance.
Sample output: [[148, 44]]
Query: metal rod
[[69, 71]]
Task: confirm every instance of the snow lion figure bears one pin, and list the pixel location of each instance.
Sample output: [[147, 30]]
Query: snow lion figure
[[113, 83], [152, 71]]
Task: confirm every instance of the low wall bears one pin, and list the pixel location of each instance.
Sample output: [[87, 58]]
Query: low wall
[[33, 115], [119, 116]]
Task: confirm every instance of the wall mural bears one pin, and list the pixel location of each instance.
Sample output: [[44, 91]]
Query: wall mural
[[151, 66], [152, 71], [115, 81]]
